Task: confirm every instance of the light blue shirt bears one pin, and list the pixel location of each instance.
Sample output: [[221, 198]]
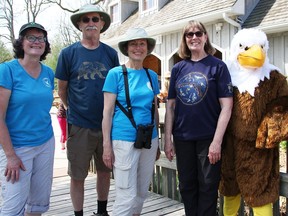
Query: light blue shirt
[[27, 117], [141, 96]]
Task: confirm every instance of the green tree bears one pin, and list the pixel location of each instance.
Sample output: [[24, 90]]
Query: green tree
[[5, 54], [56, 46], [52, 58]]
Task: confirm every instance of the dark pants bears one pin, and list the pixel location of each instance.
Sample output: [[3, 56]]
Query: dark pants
[[198, 179]]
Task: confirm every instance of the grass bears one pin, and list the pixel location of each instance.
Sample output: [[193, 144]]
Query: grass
[[283, 144]]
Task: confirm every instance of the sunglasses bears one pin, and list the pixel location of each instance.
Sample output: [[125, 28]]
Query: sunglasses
[[32, 38], [87, 19], [191, 34]]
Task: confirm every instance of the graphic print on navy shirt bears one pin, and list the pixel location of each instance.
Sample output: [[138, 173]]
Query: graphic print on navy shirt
[[88, 70], [192, 88]]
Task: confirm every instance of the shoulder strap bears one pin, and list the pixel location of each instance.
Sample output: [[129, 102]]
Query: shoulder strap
[[128, 112], [153, 102], [129, 107]]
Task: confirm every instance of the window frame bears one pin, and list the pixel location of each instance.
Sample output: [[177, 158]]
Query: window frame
[[148, 5], [115, 15]]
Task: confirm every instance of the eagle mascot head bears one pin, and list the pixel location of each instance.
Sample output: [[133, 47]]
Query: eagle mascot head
[[248, 62]]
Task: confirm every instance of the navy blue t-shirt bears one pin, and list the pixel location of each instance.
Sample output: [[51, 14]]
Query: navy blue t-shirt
[[196, 88], [85, 70]]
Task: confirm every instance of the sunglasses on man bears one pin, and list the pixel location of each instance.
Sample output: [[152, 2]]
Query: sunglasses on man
[[87, 19]]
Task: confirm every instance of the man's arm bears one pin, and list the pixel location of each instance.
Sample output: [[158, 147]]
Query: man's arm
[[62, 91]]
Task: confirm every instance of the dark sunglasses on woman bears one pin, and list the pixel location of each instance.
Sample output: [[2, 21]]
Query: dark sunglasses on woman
[[191, 34]]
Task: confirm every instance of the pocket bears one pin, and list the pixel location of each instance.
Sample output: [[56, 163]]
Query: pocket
[[123, 162], [122, 175], [72, 130]]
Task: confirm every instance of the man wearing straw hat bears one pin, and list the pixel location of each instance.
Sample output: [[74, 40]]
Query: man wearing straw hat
[[81, 71]]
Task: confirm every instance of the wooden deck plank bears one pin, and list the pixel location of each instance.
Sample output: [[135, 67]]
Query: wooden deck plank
[[60, 203]]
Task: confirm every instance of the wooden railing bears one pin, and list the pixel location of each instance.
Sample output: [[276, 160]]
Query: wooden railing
[[165, 181]]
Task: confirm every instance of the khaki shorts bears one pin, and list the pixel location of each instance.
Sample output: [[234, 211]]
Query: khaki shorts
[[82, 144]]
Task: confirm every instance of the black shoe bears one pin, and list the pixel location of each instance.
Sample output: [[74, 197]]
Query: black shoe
[[101, 214]]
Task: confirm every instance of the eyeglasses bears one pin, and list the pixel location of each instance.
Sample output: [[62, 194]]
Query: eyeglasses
[[32, 38], [87, 19], [191, 34]]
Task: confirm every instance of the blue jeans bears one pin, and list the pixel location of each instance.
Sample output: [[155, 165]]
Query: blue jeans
[[31, 193]]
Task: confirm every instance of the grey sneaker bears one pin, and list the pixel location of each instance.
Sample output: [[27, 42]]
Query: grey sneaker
[[101, 214]]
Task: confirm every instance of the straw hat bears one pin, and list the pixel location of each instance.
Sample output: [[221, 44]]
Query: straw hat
[[134, 34], [75, 18]]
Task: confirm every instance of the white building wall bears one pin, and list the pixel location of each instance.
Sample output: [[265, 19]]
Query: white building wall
[[278, 51]]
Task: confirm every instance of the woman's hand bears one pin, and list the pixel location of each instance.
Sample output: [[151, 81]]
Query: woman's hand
[[214, 153], [169, 119], [12, 172], [108, 113], [169, 149], [108, 156]]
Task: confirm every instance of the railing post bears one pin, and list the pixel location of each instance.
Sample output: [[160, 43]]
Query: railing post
[[168, 170]]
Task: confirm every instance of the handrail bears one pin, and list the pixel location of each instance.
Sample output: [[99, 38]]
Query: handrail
[[165, 179], [166, 172]]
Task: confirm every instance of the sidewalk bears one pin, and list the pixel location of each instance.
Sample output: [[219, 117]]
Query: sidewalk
[[60, 158]]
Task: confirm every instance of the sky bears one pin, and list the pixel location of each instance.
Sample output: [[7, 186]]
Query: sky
[[50, 18]]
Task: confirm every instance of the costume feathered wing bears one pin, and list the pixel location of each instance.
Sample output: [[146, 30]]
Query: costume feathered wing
[[274, 126]]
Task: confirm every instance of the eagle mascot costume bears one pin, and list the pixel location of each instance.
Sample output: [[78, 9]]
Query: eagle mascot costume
[[259, 122]]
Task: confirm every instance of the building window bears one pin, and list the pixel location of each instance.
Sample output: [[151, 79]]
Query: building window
[[114, 11], [148, 4]]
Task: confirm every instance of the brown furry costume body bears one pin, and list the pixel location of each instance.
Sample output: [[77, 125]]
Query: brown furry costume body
[[247, 170]]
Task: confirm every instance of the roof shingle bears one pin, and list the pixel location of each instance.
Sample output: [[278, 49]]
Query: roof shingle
[[268, 13], [173, 11]]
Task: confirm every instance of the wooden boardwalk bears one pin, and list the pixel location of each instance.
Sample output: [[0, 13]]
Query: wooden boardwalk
[[61, 205], [60, 202]]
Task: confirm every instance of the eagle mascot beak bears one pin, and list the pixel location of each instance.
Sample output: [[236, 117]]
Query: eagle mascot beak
[[248, 62], [252, 57]]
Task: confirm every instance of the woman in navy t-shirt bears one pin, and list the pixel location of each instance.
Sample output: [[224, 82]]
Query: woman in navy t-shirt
[[197, 113]]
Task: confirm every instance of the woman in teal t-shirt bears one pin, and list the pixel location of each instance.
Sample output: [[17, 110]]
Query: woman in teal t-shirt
[[26, 137], [133, 167]]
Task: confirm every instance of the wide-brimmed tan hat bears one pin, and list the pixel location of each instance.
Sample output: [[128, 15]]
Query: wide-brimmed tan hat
[[134, 34], [91, 9]]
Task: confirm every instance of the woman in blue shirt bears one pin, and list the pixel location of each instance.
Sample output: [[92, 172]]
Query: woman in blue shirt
[[133, 167], [26, 133]]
